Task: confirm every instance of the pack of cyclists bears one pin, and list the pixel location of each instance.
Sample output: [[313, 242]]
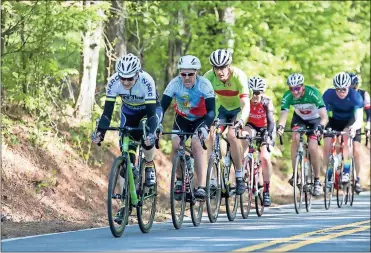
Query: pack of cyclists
[[224, 92]]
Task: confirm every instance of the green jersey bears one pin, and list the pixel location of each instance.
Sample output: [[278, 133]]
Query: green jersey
[[228, 94], [307, 106]]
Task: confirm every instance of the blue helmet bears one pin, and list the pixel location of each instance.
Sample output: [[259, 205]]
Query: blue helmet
[[354, 78]]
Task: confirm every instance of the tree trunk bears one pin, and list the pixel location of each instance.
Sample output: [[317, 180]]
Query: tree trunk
[[91, 46], [116, 41], [229, 18], [174, 47]]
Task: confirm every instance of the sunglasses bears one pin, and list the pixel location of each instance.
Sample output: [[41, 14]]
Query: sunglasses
[[221, 68], [130, 79], [187, 74], [295, 89], [341, 90], [257, 93]]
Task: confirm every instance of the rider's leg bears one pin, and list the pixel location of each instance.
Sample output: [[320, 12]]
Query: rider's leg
[[316, 163], [236, 153], [326, 152], [199, 155], [347, 155], [266, 164], [357, 160], [295, 137]]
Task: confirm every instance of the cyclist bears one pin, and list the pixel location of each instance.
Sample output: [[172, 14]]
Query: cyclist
[[310, 112], [261, 119], [345, 109], [139, 100], [232, 94], [195, 109], [357, 145]]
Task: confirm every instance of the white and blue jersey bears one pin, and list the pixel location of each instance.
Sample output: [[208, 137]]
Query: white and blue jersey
[[342, 109], [134, 100], [190, 103]]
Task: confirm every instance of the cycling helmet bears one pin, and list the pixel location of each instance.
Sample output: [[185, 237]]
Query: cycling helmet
[[189, 62], [257, 84], [128, 66], [295, 79], [342, 80], [354, 79], [220, 57]]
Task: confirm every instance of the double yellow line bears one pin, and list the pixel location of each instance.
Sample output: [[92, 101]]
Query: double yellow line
[[360, 227]]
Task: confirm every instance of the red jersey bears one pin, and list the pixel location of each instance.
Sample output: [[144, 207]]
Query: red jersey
[[259, 111]]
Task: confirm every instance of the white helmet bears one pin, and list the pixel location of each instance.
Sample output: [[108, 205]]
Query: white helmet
[[295, 79], [257, 83], [189, 62], [220, 57], [128, 66], [342, 80]]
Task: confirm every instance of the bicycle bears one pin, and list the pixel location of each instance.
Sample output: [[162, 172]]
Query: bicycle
[[251, 168], [130, 191], [303, 174], [344, 192], [185, 192], [218, 182]]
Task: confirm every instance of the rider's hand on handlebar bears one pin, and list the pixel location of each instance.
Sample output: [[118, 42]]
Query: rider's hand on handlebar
[[203, 133], [352, 132], [318, 130], [97, 137], [150, 139], [239, 124], [280, 130], [158, 132]]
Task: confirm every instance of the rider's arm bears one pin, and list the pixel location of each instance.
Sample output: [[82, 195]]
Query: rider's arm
[[210, 111], [285, 107], [283, 117], [245, 104], [367, 108], [358, 111], [270, 117], [324, 117], [105, 120], [151, 113], [165, 102]]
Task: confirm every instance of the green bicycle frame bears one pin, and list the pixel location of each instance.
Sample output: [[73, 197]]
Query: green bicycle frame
[[125, 154]]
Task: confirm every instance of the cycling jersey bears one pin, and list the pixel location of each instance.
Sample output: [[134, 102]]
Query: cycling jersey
[[259, 111], [190, 103], [228, 94], [143, 92], [342, 109], [366, 103], [306, 106]]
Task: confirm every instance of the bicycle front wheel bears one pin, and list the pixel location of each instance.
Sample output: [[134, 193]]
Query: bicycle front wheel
[[118, 199], [146, 208], [298, 184], [196, 210], [340, 189], [231, 202], [177, 192], [213, 189], [329, 182], [353, 183], [246, 197]]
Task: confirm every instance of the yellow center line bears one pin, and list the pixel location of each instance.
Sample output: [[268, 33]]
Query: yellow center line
[[300, 236], [320, 239]]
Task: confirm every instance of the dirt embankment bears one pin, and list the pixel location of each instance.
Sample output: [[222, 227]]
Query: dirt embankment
[[48, 187]]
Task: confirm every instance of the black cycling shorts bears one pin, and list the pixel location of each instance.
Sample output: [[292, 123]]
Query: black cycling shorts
[[185, 125], [298, 122], [340, 125]]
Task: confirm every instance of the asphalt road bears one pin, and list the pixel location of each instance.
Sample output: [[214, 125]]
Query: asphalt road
[[279, 229]]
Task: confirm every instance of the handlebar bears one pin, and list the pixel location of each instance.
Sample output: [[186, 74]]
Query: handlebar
[[250, 138], [302, 132], [177, 132]]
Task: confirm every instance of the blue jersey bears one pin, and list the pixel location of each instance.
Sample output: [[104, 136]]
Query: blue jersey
[[342, 109], [190, 103]]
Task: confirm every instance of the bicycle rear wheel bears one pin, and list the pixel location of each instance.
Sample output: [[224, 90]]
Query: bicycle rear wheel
[[146, 208], [196, 210], [298, 186], [340, 189], [329, 182], [246, 197], [118, 199], [231, 202], [309, 187], [352, 188], [213, 189], [177, 196]]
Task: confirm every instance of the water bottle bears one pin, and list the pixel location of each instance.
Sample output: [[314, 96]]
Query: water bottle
[[227, 159], [340, 158], [306, 166], [190, 164]]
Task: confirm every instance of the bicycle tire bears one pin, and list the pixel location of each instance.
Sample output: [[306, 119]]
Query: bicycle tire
[[298, 189], [310, 188], [117, 231], [196, 211], [246, 197], [327, 198], [353, 183], [214, 194], [177, 220], [340, 196], [144, 194], [230, 197]]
